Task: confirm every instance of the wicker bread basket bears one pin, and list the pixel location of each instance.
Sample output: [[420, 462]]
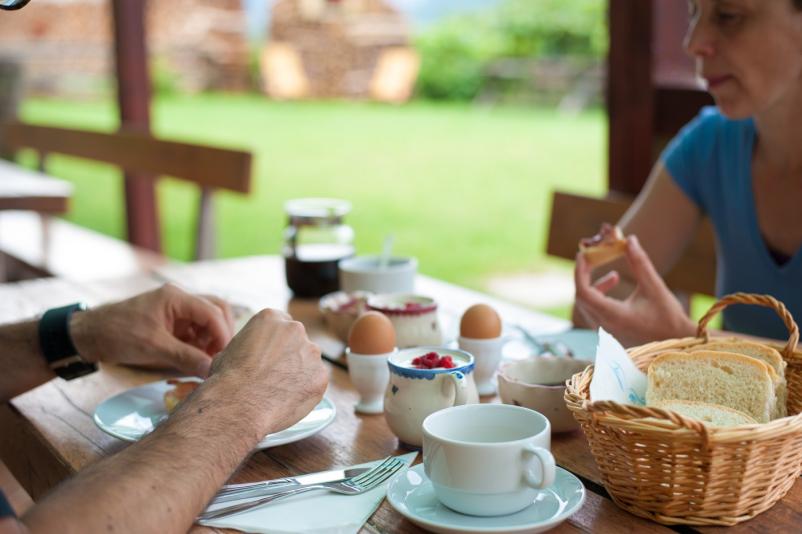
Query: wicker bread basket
[[674, 470]]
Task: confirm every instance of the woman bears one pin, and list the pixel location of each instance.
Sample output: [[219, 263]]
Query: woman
[[739, 163]]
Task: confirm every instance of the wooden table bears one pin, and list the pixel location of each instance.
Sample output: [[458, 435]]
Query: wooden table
[[23, 189], [48, 433]]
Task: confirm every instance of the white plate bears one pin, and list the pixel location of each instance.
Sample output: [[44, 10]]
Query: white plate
[[134, 413], [412, 495]]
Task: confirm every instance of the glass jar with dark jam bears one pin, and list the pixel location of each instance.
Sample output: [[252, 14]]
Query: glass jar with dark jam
[[315, 240]]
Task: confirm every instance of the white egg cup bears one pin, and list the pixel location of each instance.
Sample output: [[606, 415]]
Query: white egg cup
[[487, 355], [369, 375]]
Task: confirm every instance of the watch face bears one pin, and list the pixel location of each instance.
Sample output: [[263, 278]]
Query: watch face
[[9, 5]]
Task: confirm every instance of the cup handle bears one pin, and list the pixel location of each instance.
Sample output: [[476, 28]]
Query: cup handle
[[460, 387], [539, 467]]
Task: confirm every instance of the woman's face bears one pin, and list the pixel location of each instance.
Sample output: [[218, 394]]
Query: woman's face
[[748, 53]]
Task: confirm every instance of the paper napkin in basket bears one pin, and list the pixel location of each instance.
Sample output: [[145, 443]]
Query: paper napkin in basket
[[313, 512], [615, 376]]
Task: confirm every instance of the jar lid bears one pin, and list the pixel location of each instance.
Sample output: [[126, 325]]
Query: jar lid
[[322, 208]]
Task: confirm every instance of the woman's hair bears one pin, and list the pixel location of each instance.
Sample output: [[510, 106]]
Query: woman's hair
[[798, 4]]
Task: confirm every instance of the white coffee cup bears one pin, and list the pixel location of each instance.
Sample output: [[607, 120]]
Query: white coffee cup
[[366, 273], [487, 459]]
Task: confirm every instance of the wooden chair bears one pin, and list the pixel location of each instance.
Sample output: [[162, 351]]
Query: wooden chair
[[574, 217], [209, 167]]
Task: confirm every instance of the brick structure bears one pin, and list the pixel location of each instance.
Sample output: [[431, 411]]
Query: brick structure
[[65, 46]]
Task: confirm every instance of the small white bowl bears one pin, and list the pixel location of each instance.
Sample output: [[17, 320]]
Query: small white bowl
[[365, 273], [538, 383], [414, 318]]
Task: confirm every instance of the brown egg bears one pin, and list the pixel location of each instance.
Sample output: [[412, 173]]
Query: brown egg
[[372, 333], [480, 321]]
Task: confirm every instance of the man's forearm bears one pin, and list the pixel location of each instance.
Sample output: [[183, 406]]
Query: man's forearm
[[163, 482], [22, 362]]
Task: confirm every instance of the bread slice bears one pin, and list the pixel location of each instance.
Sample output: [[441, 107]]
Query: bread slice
[[764, 353], [749, 348], [180, 391], [733, 380], [712, 414], [609, 244]]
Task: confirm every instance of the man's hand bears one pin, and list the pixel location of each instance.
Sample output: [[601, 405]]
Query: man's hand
[[272, 364], [266, 379], [167, 327], [650, 313]]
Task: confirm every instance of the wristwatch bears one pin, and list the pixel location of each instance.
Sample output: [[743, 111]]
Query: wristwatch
[[57, 346]]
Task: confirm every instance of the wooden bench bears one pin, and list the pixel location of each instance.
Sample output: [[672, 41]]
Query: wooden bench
[[574, 217], [34, 246]]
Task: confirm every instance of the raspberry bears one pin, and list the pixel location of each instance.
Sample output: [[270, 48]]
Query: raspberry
[[447, 362], [432, 360]]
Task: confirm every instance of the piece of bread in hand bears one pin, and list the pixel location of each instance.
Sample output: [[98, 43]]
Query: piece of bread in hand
[[767, 355], [712, 414], [609, 244], [732, 380], [181, 390]]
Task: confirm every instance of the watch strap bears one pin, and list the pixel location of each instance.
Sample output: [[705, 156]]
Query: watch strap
[[57, 345]]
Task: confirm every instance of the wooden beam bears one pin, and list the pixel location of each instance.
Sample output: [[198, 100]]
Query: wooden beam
[[140, 154], [630, 96], [674, 107], [133, 97]]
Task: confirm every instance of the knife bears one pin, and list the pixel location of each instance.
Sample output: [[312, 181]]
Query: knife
[[236, 492]]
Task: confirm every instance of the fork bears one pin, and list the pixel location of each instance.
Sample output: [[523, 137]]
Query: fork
[[556, 348], [352, 486]]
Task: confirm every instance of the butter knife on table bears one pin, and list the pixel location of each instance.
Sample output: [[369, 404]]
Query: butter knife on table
[[236, 492]]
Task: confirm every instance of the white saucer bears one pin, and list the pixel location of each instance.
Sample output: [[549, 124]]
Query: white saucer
[[412, 495], [134, 413]]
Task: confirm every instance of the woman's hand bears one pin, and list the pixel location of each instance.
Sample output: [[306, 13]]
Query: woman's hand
[[167, 327], [650, 313]]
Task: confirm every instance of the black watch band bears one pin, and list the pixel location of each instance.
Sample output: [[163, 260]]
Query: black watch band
[[57, 346]]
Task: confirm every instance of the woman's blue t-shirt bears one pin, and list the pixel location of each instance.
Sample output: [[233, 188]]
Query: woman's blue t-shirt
[[711, 161]]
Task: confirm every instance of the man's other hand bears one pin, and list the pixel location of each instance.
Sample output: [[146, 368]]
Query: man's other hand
[[167, 327]]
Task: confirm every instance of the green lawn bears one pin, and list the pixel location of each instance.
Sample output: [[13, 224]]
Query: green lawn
[[464, 189]]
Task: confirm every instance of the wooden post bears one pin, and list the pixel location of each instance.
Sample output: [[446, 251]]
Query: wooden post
[[630, 94], [10, 95], [133, 97]]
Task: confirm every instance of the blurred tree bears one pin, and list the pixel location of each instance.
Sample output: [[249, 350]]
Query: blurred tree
[[456, 52], [549, 28]]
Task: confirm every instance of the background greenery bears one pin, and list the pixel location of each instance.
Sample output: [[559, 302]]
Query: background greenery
[[457, 52], [465, 189]]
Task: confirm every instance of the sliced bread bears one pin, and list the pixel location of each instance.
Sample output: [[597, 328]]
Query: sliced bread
[[733, 380], [766, 354], [749, 348], [713, 414]]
